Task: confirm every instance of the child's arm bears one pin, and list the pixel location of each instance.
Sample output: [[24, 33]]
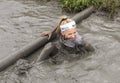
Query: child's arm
[[51, 34]]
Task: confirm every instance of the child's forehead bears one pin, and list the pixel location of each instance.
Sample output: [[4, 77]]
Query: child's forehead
[[72, 30], [68, 26]]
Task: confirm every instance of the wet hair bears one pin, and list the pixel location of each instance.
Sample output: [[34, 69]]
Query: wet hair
[[63, 20]]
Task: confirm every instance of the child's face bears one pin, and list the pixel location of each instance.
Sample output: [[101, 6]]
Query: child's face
[[70, 34]]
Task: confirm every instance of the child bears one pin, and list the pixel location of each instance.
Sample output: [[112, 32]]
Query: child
[[67, 39]]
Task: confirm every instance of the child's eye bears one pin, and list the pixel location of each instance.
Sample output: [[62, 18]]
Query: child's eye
[[74, 32], [70, 34]]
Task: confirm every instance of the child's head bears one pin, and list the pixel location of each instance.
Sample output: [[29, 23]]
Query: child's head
[[67, 28]]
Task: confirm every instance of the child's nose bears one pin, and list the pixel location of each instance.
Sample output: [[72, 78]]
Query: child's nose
[[73, 36]]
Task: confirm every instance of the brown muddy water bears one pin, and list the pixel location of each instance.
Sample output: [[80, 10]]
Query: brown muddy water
[[21, 22]]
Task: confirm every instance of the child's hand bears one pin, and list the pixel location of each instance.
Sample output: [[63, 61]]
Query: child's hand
[[46, 33]]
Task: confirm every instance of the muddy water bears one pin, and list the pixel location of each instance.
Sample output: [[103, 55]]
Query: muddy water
[[23, 20]]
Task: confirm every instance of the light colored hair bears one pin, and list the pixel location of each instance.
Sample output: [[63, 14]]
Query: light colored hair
[[63, 20]]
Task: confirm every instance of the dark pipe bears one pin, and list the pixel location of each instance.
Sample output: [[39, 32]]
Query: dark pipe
[[31, 47], [84, 14]]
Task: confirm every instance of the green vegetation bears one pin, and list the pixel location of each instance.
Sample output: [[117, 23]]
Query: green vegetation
[[75, 5], [110, 6]]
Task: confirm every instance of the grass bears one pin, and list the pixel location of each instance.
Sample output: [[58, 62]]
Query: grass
[[110, 6], [75, 5]]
